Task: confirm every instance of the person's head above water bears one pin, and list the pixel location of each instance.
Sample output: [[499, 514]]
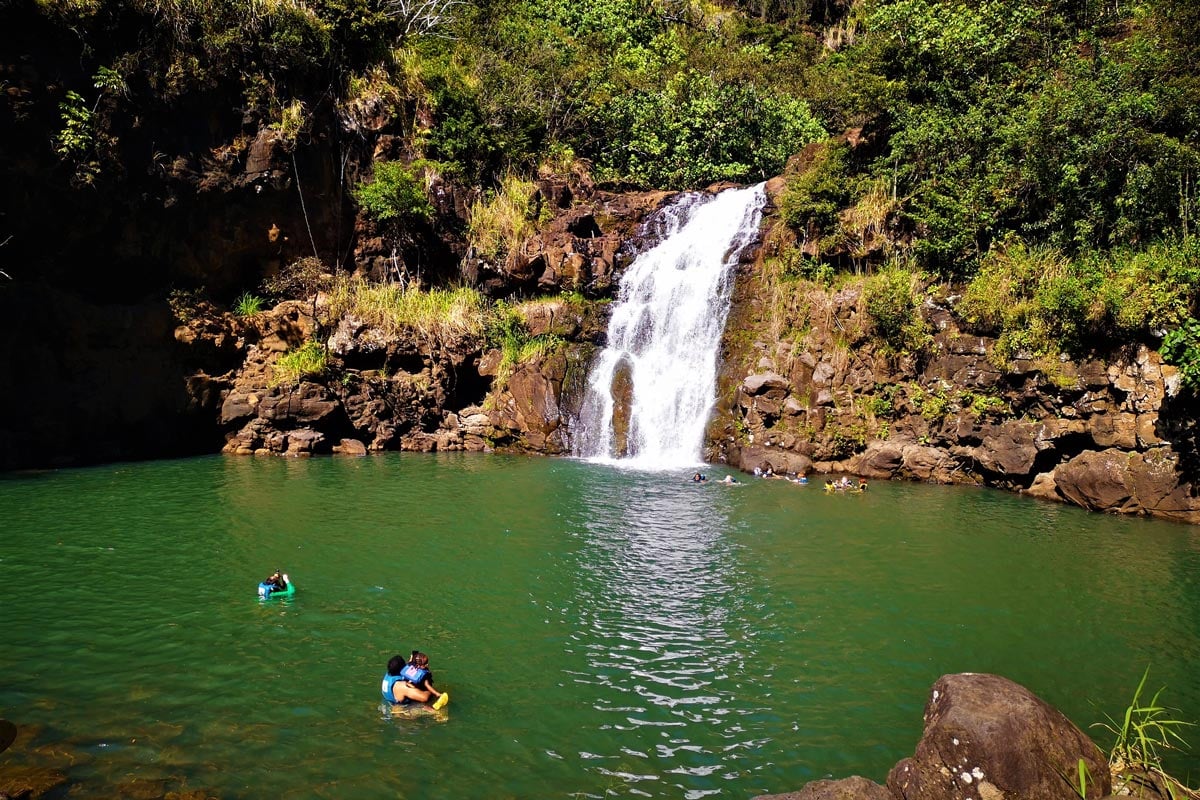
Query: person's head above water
[[395, 664], [419, 659]]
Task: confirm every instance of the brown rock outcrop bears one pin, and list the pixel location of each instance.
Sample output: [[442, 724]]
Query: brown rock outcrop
[[987, 737], [528, 411], [952, 415]]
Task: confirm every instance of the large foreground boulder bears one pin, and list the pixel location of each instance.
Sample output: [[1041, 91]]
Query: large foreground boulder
[[989, 738], [986, 738]]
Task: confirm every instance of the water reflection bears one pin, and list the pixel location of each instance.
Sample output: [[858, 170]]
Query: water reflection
[[662, 620]]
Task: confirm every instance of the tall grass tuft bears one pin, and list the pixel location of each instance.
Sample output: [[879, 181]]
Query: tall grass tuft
[[248, 305], [441, 314], [507, 330], [1144, 733], [310, 358], [863, 226], [501, 221]]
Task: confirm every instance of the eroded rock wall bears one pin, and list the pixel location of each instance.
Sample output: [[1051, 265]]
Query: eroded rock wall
[[1109, 432]]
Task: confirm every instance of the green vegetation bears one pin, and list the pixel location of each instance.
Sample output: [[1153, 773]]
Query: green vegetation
[[508, 331], [309, 359], [1047, 152], [1181, 347], [248, 305], [503, 218], [1039, 301], [395, 193], [813, 196], [934, 403], [438, 314], [76, 141], [893, 301], [1141, 738], [848, 439], [983, 405], [187, 304]]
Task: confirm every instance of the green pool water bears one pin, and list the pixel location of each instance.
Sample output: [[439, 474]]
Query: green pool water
[[602, 632]]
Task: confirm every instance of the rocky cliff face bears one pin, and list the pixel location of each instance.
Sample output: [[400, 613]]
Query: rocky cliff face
[[420, 391], [1110, 432]]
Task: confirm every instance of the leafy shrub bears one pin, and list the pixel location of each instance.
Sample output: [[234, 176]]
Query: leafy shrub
[[1151, 288], [932, 404], [847, 440], [982, 405], [813, 197], [187, 304], [76, 141], [1037, 300], [695, 130], [466, 134], [394, 194], [892, 302], [1181, 347]]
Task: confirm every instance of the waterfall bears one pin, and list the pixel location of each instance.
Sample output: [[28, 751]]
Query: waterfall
[[651, 390]]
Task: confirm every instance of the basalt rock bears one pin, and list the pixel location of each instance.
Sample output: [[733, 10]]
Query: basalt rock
[[1109, 432], [987, 737], [528, 412]]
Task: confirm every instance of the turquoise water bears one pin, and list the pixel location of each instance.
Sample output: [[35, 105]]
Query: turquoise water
[[603, 633]]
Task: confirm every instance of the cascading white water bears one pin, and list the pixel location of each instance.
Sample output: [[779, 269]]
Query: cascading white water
[[663, 336]]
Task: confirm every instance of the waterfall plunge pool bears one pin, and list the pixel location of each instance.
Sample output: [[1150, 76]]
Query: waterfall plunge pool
[[604, 632]]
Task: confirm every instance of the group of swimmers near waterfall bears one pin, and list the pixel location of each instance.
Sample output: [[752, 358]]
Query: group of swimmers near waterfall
[[843, 484]]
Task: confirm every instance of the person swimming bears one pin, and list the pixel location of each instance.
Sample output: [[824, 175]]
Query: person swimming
[[699, 478], [277, 581], [411, 681]]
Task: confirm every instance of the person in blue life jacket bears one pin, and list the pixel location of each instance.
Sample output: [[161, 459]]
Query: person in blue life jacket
[[409, 682]]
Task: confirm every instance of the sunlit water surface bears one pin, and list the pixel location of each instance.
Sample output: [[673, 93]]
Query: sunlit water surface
[[602, 632]]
